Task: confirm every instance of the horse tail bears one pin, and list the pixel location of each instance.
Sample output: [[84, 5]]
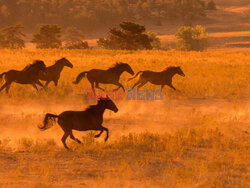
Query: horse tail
[[134, 76], [1, 75], [46, 122], [79, 77]]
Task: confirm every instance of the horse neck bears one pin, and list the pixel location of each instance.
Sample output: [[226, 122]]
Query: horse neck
[[171, 73], [58, 66], [117, 70], [99, 109], [33, 71]]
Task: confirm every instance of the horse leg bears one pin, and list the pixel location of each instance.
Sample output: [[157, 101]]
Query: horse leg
[[96, 136], [66, 134], [73, 138], [107, 132], [34, 85], [55, 82], [98, 87], [136, 84], [162, 86], [47, 83], [4, 86], [93, 89], [141, 84], [39, 83], [7, 88], [170, 85], [119, 85]]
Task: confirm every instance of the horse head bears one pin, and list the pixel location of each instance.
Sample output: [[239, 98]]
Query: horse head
[[126, 68], [65, 62], [108, 103], [179, 71]]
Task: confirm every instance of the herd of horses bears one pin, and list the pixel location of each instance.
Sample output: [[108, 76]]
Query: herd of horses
[[92, 117]]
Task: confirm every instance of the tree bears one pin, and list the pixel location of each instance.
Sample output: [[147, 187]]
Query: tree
[[48, 36], [95, 14], [129, 36], [190, 38], [211, 5], [12, 37]]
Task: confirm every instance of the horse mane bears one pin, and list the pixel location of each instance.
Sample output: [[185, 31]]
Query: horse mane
[[94, 107], [59, 60], [170, 67], [91, 107], [32, 65], [117, 65]]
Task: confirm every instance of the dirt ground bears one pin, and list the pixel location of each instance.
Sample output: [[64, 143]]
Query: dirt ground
[[48, 164]]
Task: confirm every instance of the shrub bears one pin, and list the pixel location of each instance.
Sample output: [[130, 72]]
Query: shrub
[[77, 45], [74, 39], [155, 41], [191, 39]]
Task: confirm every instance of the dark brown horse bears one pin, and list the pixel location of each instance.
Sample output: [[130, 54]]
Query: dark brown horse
[[109, 76], [53, 72], [90, 119], [158, 78], [29, 75]]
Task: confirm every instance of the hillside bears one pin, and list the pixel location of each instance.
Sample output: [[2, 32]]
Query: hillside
[[228, 26]]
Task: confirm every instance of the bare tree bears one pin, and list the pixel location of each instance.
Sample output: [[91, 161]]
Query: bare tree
[[12, 37]]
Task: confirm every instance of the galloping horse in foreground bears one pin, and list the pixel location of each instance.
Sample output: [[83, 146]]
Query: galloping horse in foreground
[[53, 72], [158, 78], [29, 75], [90, 119], [109, 76]]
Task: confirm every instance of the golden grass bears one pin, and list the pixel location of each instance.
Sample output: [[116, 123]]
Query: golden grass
[[208, 74], [199, 157], [197, 137]]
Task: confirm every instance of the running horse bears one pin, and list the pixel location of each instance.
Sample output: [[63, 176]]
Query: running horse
[[89, 119], [158, 78], [53, 72], [109, 76], [29, 75]]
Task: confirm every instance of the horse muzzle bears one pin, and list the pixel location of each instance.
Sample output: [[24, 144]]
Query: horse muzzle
[[131, 72]]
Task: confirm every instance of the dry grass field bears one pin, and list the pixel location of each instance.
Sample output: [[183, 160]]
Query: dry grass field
[[195, 137]]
